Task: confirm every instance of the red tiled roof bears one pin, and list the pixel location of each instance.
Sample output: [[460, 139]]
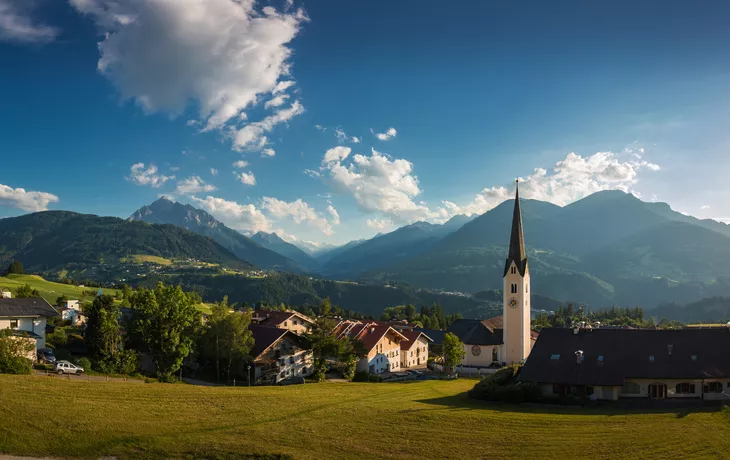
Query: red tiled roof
[[412, 337]]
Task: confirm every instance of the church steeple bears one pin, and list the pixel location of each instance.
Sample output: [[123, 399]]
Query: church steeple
[[516, 251]]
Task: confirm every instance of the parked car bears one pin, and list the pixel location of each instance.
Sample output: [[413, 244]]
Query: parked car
[[46, 356], [291, 381], [65, 367], [414, 372]]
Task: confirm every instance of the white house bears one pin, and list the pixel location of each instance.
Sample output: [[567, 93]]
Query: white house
[[279, 354], [26, 317], [414, 351], [382, 343]]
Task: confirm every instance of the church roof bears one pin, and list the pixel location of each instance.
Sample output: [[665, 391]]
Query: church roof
[[610, 356], [476, 332], [516, 251]]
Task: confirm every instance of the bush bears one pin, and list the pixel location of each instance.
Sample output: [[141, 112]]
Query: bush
[[362, 376], [504, 386], [57, 339], [84, 363], [14, 353], [375, 378]]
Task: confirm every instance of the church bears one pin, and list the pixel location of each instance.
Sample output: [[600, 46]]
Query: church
[[505, 339]]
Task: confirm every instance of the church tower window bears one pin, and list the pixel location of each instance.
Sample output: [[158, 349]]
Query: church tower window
[[514, 288]]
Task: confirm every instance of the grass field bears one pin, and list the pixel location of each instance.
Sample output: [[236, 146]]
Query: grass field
[[54, 416], [142, 258], [49, 290]]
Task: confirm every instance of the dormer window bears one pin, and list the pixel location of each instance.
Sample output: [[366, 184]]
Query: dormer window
[[513, 270]]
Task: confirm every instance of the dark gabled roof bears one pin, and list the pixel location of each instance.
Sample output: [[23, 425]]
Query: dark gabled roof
[[476, 332], [516, 251], [436, 335], [273, 318], [265, 336], [32, 306], [627, 354]]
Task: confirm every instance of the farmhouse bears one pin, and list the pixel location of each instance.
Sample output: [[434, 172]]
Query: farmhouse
[[382, 343], [289, 320], [26, 317], [414, 351], [631, 363], [279, 354]]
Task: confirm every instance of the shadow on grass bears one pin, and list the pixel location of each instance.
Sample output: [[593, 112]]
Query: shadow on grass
[[681, 408]]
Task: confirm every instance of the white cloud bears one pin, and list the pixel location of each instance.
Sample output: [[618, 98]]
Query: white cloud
[[299, 211], [213, 171], [16, 24], [26, 200], [379, 224], [320, 128], [239, 216], [253, 135], [355, 140], [312, 173], [240, 164], [706, 206], [246, 178], [149, 176], [268, 152], [386, 136], [336, 154], [191, 185], [221, 55], [334, 214], [571, 179], [276, 101]]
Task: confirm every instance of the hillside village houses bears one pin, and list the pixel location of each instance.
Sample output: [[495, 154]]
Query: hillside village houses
[[290, 320], [279, 354], [26, 317]]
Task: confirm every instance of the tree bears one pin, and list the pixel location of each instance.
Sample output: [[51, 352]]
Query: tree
[[323, 343], [453, 351], [326, 307], [103, 337], [165, 325], [26, 291], [15, 353], [351, 350], [15, 268], [227, 340]]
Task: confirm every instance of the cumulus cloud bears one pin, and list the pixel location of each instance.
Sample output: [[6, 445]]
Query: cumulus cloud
[[26, 200], [240, 164], [17, 25], [705, 206], [355, 140], [386, 136], [213, 171], [191, 185], [268, 152], [336, 154], [140, 175], [378, 224], [239, 216], [276, 101], [253, 135], [221, 55], [299, 211], [246, 178]]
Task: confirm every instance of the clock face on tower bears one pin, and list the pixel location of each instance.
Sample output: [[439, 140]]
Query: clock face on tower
[[512, 302]]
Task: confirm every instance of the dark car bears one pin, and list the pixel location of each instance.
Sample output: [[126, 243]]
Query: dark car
[[46, 356], [291, 381]]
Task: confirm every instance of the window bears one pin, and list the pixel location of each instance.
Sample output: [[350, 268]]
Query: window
[[513, 288], [631, 388], [554, 357], [495, 355], [284, 323], [600, 358], [513, 270], [685, 388], [13, 324], [713, 387]]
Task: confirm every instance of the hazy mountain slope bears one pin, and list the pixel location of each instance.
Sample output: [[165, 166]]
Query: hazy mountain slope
[[273, 242], [199, 221], [59, 239]]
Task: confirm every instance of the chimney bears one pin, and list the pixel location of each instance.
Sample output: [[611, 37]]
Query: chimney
[[579, 357], [669, 349]]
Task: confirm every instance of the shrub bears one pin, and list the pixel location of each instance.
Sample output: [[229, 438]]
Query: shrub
[[503, 386], [375, 378], [57, 339], [362, 376], [14, 353], [84, 363]]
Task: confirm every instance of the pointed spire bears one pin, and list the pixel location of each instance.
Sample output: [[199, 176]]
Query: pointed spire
[[516, 251]]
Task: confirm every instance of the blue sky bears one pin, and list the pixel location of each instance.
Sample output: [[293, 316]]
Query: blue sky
[[595, 96]]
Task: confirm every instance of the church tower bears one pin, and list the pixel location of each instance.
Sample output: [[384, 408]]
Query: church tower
[[516, 309]]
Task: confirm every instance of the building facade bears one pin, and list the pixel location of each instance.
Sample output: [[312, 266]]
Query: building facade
[[26, 317]]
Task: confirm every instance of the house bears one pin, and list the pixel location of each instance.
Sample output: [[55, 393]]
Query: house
[[26, 316], [279, 354], [289, 320], [414, 351], [71, 311], [382, 345], [609, 364]]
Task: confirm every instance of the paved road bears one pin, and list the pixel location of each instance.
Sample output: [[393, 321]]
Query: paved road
[[89, 378]]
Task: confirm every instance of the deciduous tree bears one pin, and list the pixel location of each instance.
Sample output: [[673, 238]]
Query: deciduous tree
[[453, 351]]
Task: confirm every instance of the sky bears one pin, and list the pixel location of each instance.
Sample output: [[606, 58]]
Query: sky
[[327, 121]]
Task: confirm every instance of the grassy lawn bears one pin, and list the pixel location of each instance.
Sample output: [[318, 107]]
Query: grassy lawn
[[51, 416], [49, 290], [142, 258]]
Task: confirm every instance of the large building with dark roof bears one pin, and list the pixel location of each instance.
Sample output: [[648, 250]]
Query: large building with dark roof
[[631, 363], [26, 317]]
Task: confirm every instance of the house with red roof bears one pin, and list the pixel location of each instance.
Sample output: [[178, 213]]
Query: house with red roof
[[382, 342]]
